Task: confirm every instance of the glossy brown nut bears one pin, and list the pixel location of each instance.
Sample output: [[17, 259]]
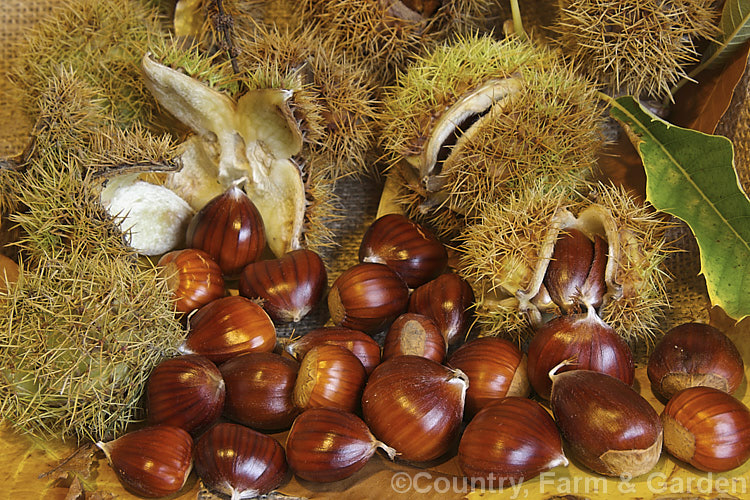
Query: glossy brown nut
[[289, 287], [237, 461], [187, 391], [230, 229], [194, 278], [583, 338], [414, 334], [412, 251], [259, 390], [512, 438], [415, 406], [575, 275], [151, 462], [609, 427], [367, 297], [228, 327], [359, 343], [326, 445], [694, 354], [447, 300], [707, 428], [329, 375], [496, 369]]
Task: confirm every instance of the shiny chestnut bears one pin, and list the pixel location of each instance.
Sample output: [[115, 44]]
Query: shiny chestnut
[[414, 334], [694, 354], [288, 287], [329, 375], [228, 327], [447, 300], [194, 278], [230, 229], [360, 344], [412, 251], [367, 297]]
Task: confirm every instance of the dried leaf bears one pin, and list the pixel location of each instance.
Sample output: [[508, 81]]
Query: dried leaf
[[76, 465], [690, 175], [700, 105]]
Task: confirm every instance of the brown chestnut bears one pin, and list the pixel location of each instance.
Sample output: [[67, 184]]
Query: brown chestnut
[[327, 444], [707, 428], [187, 391], [230, 229], [238, 461], [447, 300], [259, 389], [360, 344], [288, 287], [194, 278], [329, 375], [586, 340], [414, 334], [411, 250], [228, 327], [609, 427], [496, 368], [415, 405], [694, 354], [513, 438], [151, 462], [367, 297]]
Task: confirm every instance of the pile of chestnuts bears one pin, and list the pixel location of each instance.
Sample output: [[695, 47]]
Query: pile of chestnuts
[[396, 373]]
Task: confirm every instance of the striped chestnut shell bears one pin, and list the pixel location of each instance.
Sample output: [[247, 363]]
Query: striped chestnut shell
[[447, 300], [230, 229], [194, 278], [412, 251], [359, 343]]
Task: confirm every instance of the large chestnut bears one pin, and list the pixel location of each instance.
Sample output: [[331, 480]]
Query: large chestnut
[[609, 427], [235, 460], [707, 428], [194, 278], [447, 300], [367, 297], [326, 444], [360, 344], [412, 251], [415, 406], [187, 391], [230, 229], [513, 438], [228, 327], [496, 368], [259, 389], [586, 340], [288, 287], [694, 354]]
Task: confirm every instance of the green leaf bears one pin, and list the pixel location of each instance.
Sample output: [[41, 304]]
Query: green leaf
[[691, 175], [735, 30]]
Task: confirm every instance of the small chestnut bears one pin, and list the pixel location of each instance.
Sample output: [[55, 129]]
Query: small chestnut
[[694, 354], [415, 334], [447, 300], [329, 375], [194, 278], [360, 344], [707, 428]]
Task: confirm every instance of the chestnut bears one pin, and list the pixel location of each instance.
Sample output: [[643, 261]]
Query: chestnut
[[367, 297], [327, 444], [228, 327], [447, 300], [414, 334], [587, 340], [329, 375], [694, 354], [259, 389], [230, 229], [187, 391], [238, 461], [415, 405], [707, 428], [151, 462], [360, 344], [609, 427], [288, 287], [412, 251], [194, 278], [513, 438], [495, 367]]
